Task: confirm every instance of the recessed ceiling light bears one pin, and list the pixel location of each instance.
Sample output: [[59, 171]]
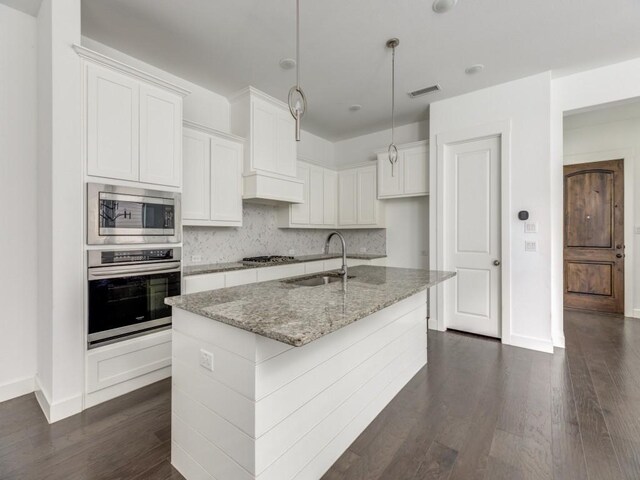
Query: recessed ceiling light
[[473, 69], [287, 63], [442, 6], [355, 107]]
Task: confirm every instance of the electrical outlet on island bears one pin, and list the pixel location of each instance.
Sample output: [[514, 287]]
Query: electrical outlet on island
[[196, 258]]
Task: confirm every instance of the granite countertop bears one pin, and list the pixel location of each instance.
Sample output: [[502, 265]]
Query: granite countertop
[[226, 267], [298, 315]]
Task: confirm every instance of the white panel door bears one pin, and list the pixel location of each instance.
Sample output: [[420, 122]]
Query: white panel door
[[287, 149], [347, 197], [472, 236], [112, 124], [264, 135], [330, 197], [390, 182], [226, 180], [415, 171], [160, 137], [300, 211], [316, 196], [367, 197], [196, 176]]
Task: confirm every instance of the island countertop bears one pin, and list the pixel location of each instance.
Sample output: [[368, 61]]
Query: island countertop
[[297, 315]]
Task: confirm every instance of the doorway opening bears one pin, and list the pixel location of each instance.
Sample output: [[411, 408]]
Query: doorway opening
[[600, 145]]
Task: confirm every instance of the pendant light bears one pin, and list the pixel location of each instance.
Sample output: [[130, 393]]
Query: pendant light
[[297, 99], [393, 150]]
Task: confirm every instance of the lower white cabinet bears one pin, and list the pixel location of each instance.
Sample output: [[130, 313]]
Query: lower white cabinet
[[282, 271], [212, 193], [113, 370], [358, 205]]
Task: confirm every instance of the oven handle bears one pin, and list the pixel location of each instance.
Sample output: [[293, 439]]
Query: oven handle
[[114, 272]]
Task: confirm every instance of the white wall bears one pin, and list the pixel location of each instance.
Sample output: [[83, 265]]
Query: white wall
[[314, 149], [407, 218], [18, 195], [613, 83], [610, 141], [525, 105]]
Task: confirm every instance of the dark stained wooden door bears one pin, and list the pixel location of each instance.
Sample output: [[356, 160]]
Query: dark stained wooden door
[[594, 236]]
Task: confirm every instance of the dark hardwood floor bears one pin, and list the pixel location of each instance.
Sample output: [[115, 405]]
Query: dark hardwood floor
[[479, 410]]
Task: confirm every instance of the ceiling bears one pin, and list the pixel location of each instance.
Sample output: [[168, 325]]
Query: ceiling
[[225, 45]]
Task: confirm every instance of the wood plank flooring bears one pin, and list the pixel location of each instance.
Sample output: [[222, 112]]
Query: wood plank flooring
[[479, 410]]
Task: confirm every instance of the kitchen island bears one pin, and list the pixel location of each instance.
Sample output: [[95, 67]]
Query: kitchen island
[[274, 380]]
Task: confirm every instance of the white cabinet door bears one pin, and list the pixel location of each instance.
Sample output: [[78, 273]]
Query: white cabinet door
[[112, 124], [264, 134], [282, 271], [300, 211], [367, 199], [202, 283], [348, 197], [240, 277], [226, 180], [196, 175], [415, 171], [316, 195], [390, 182], [160, 137], [286, 147], [330, 197]]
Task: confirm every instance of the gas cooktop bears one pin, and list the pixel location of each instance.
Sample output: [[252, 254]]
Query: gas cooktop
[[268, 259]]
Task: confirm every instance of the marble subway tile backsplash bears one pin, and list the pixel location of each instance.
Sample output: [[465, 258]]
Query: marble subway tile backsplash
[[260, 235]]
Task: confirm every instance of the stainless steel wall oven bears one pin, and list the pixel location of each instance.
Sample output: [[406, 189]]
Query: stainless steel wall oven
[[127, 289], [123, 215]]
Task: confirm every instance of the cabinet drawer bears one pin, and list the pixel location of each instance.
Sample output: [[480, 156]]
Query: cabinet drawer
[[240, 277], [284, 271], [333, 264], [202, 283], [314, 267]]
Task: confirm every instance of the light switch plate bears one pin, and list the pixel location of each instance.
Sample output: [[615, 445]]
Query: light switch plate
[[206, 360], [530, 246], [363, 250], [292, 251], [530, 227], [196, 258]]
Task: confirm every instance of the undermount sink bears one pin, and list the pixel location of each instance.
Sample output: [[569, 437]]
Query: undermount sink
[[316, 280]]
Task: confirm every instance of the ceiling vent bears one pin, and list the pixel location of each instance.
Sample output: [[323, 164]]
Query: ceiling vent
[[424, 91]]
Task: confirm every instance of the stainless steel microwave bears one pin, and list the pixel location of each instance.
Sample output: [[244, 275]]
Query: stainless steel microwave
[[123, 215]]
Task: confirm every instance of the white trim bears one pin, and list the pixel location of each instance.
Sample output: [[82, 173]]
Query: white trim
[[101, 59], [636, 313], [212, 131], [16, 388], [94, 398], [629, 159], [531, 343], [403, 146], [58, 410], [234, 97], [437, 212]]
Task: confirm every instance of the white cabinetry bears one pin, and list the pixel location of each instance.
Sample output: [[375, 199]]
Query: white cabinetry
[[358, 205], [319, 207], [133, 123], [212, 193], [270, 157], [410, 176]]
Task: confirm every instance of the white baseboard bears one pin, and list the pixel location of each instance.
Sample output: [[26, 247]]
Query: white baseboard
[[558, 341], [58, 410], [16, 388], [636, 313], [539, 344]]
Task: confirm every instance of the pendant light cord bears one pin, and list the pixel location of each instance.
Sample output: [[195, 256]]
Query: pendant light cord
[[393, 93], [298, 43]]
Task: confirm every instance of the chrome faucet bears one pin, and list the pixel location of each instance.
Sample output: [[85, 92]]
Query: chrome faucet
[[343, 270]]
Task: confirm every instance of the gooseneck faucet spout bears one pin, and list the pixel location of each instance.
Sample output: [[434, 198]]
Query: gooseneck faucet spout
[[343, 270]]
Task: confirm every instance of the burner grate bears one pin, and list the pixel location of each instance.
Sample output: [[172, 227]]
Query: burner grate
[[268, 259]]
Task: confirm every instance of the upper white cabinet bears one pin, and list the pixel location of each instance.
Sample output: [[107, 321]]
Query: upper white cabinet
[[270, 174], [133, 123], [409, 177], [319, 208], [358, 205], [212, 194]]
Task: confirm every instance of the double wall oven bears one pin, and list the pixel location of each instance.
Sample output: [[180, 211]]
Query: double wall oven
[[127, 285]]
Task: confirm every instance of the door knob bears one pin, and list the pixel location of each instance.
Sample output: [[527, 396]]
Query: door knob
[[619, 255], [496, 263]]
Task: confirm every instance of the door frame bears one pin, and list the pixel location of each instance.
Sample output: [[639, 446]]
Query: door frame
[[438, 211], [628, 160]]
